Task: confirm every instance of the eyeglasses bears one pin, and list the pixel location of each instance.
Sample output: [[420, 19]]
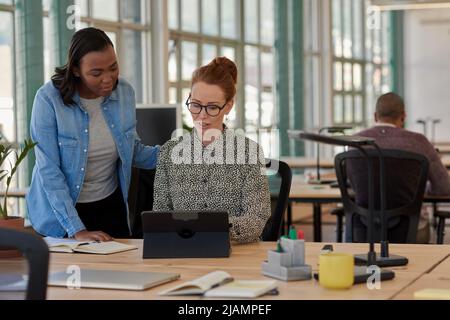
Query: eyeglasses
[[211, 109]]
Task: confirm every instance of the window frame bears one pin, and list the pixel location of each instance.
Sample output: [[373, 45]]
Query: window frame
[[239, 44], [15, 181], [11, 9], [118, 28], [367, 88]]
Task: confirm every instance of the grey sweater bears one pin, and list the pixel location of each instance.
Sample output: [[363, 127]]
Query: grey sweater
[[193, 177]]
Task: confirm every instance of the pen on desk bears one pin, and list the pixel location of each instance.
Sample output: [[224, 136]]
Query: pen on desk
[[90, 242], [224, 281], [273, 292]]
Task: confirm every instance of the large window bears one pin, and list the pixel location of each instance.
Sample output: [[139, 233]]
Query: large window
[[360, 60], [240, 30], [315, 64], [48, 54], [7, 118], [127, 23], [7, 89]]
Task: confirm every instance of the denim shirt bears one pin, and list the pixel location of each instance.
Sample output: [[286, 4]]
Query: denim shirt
[[61, 155]]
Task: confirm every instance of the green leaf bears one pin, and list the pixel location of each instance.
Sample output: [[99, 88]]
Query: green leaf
[[2, 215], [5, 152]]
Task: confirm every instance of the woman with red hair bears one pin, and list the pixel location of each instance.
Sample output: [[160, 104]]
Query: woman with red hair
[[213, 167]]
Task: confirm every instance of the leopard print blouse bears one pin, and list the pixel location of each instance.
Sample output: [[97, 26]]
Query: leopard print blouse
[[227, 175]]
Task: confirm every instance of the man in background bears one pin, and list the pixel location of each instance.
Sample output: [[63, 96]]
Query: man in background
[[388, 133]]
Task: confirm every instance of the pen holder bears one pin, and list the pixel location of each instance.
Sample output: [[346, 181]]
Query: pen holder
[[283, 259], [336, 270], [288, 265], [296, 248]]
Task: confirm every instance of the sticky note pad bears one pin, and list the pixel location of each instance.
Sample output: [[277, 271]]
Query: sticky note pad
[[434, 294]]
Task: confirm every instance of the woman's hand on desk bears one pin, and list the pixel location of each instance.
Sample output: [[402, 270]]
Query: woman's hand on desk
[[92, 236]]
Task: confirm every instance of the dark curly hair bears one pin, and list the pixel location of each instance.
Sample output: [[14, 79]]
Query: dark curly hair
[[83, 42]]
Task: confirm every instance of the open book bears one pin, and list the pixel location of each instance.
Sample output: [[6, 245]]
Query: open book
[[71, 246], [221, 284], [244, 289]]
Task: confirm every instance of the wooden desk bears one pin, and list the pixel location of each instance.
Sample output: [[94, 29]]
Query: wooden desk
[[437, 278], [443, 149], [245, 263], [317, 195], [446, 161], [328, 163], [304, 163]]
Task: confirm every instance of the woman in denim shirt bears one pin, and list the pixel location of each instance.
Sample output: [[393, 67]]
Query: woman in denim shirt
[[84, 121]]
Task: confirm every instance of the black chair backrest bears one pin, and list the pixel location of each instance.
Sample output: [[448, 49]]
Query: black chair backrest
[[405, 180], [36, 252], [272, 230], [140, 198]]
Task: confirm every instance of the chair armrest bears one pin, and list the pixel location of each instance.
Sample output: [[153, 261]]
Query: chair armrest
[[442, 214], [338, 212]]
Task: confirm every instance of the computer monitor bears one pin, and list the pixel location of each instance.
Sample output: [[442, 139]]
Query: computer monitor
[[156, 123]]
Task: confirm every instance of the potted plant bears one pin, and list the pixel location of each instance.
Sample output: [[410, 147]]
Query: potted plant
[[6, 221]]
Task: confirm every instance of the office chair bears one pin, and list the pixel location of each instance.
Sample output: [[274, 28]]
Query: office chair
[[272, 230], [406, 176], [339, 212], [140, 198], [440, 230], [35, 251]]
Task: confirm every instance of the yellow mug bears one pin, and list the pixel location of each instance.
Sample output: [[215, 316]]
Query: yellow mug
[[336, 270]]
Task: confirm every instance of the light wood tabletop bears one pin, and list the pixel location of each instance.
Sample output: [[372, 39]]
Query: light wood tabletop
[[443, 149], [436, 278], [245, 263], [303, 162], [300, 190], [317, 195], [328, 163]]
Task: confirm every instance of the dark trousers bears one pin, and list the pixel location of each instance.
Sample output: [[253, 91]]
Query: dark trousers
[[108, 215]]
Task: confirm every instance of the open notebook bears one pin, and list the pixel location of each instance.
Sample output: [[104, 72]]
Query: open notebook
[[71, 246], [221, 285]]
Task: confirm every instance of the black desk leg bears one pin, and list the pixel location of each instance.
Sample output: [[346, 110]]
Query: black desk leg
[[317, 221], [434, 220], [288, 219]]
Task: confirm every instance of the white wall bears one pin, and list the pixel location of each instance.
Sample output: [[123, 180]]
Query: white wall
[[427, 69]]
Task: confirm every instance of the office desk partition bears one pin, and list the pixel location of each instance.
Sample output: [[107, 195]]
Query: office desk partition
[[244, 263]]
